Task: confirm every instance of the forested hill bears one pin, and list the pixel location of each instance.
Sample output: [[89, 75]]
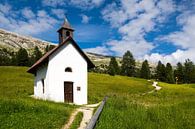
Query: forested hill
[[12, 42]]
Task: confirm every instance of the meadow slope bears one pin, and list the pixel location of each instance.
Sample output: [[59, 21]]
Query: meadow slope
[[173, 107], [127, 107], [19, 111]]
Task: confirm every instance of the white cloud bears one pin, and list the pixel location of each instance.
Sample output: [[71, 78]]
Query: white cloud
[[184, 39], [28, 13], [137, 47], [54, 3], [35, 23], [86, 4], [82, 4], [98, 50], [60, 13], [85, 18], [5, 8], [134, 19], [173, 58]]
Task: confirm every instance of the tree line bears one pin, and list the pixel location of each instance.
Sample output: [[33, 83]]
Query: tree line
[[21, 57], [183, 73]]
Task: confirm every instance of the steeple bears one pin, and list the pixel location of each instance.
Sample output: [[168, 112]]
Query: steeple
[[65, 31]]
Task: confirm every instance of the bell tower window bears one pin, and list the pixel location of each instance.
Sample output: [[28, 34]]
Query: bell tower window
[[67, 33]]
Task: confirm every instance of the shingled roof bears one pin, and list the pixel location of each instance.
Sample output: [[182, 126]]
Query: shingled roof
[[45, 58]]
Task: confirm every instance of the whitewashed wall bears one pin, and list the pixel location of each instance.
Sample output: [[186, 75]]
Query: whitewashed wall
[[38, 87], [55, 75]]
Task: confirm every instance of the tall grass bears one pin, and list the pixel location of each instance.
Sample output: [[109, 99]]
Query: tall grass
[[19, 111], [77, 121], [173, 107]]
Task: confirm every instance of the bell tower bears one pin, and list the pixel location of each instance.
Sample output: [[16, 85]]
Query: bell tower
[[65, 31]]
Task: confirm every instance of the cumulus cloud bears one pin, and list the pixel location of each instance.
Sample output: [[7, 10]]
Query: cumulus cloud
[[86, 4], [27, 13], [60, 13], [133, 20], [85, 18], [99, 50], [54, 3], [173, 58], [33, 24], [184, 39], [82, 4]]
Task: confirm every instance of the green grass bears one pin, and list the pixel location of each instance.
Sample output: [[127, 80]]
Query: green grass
[[77, 121], [173, 107], [19, 111]]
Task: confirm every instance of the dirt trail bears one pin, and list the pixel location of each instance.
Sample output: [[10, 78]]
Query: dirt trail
[[155, 84], [87, 115], [156, 87]]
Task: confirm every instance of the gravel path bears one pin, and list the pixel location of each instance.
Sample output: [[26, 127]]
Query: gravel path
[[87, 115], [155, 84]]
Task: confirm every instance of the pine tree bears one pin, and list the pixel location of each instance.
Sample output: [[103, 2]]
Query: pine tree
[[161, 72], [145, 70], [188, 71], [37, 54], [22, 58], [128, 64], [113, 67], [179, 73], [48, 48], [158, 70], [169, 74]]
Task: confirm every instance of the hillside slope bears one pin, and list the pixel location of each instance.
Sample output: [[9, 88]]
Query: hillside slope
[[173, 107], [13, 41], [19, 111]]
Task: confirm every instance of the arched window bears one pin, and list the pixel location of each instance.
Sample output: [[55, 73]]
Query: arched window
[[68, 69], [67, 33]]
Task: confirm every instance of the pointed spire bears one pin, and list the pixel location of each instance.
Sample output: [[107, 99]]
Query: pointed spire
[[66, 24]]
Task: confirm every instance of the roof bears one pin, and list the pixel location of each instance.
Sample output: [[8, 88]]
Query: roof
[[66, 25], [45, 58]]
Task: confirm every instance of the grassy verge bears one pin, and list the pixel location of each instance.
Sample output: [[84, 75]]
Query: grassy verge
[[19, 110], [173, 107], [77, 121]]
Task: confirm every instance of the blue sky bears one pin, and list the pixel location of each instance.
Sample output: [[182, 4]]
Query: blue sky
[[150, 29]]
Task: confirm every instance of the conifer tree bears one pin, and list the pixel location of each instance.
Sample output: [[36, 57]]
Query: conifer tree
[[179, 73], [160, 72], [145, 70], [113, 67], [37, 54], [128, 64], [169, 74], [188, 71], [48, 48], [22, 58]]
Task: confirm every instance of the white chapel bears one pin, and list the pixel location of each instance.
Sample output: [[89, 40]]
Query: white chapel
[[61, 74]]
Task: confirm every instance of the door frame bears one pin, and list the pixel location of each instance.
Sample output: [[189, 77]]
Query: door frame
[[72, 91]]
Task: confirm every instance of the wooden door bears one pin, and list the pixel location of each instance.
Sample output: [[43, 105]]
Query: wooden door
[[68, 92]]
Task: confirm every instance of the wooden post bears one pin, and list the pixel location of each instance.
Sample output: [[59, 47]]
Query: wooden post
[[95, 117]]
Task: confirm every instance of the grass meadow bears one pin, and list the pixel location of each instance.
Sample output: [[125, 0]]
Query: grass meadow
[[127, 107], [19, 111], [173, 107]]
